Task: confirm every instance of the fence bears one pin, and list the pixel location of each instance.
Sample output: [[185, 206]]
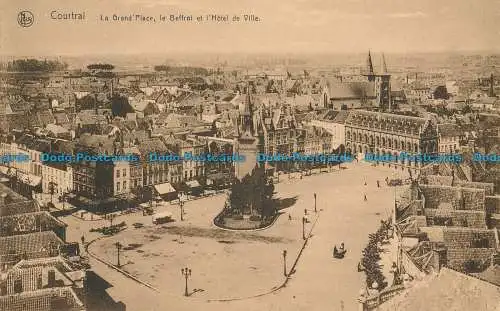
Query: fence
[[373, 301]]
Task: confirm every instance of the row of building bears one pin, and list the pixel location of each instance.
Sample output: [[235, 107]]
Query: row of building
[[39, 269]]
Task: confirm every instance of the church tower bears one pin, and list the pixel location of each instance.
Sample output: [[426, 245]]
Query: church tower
[[248, 140], [369, 68], [382, 82], [383, 87]]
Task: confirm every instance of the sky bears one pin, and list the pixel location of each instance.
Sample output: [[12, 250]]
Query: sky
[[291, 26]]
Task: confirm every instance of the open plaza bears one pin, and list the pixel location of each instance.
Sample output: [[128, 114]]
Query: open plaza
[[244, 270]]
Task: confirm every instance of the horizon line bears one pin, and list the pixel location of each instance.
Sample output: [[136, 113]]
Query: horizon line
[[281, 53]]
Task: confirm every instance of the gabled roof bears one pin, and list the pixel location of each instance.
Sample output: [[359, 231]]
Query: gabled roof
[[450, 290], [341, 117], [350, 90], [448, 130]]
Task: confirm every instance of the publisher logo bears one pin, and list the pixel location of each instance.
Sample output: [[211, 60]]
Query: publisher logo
[[25, 18]]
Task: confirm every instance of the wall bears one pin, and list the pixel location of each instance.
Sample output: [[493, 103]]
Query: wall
[[488, 187], [461, 218], [473, 199], [493, 204], [457, 257]]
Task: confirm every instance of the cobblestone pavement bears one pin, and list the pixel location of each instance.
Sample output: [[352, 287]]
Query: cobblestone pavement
[[319, 282]]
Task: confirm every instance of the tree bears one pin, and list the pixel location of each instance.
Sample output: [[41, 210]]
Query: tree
[[254, 193], [466, 109], [105, 67], [33, 65], [52, 188], [120, 106]]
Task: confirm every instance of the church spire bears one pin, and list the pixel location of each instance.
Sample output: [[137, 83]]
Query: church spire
[[384, 65], [369, 64]]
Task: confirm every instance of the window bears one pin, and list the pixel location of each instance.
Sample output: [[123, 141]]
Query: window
[[118, 174], [124, 185], [124, 172], [118, 187]]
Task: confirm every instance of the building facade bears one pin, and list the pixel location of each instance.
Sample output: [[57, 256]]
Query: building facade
[[389, 134]]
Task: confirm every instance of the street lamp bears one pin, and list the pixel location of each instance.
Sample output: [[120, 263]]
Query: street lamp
[[315, 210], [181, 206], [304, 219], [284, 262], [118, 248], [186, 273]]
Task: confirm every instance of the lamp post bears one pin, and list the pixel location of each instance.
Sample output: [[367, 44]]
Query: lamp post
[[63, 198], [186, 273], [181, 205], [315, 210], [304, 219], [118, 248], [284, 262]]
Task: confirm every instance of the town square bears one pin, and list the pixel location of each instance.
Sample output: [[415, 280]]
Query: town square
[[249, 155]]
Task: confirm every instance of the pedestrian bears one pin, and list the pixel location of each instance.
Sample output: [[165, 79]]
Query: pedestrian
[[366, 198], [289, 217], [378, 184], [305, 211], [83, 240], [365, 182]]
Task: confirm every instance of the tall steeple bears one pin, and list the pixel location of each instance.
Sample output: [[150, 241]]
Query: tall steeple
[[246, 115], [369, 67], [384, 65]]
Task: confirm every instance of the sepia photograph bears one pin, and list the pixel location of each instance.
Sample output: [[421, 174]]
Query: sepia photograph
[[218, 155]]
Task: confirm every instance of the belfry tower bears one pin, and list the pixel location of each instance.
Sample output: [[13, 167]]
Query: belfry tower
[[382, 81], [248, 142]]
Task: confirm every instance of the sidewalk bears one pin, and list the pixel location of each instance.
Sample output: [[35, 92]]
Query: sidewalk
[[43, 199]]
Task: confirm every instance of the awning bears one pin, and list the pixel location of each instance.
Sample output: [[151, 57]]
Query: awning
[[28, 179], [193, 184], [165, 188], [34, 181]]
